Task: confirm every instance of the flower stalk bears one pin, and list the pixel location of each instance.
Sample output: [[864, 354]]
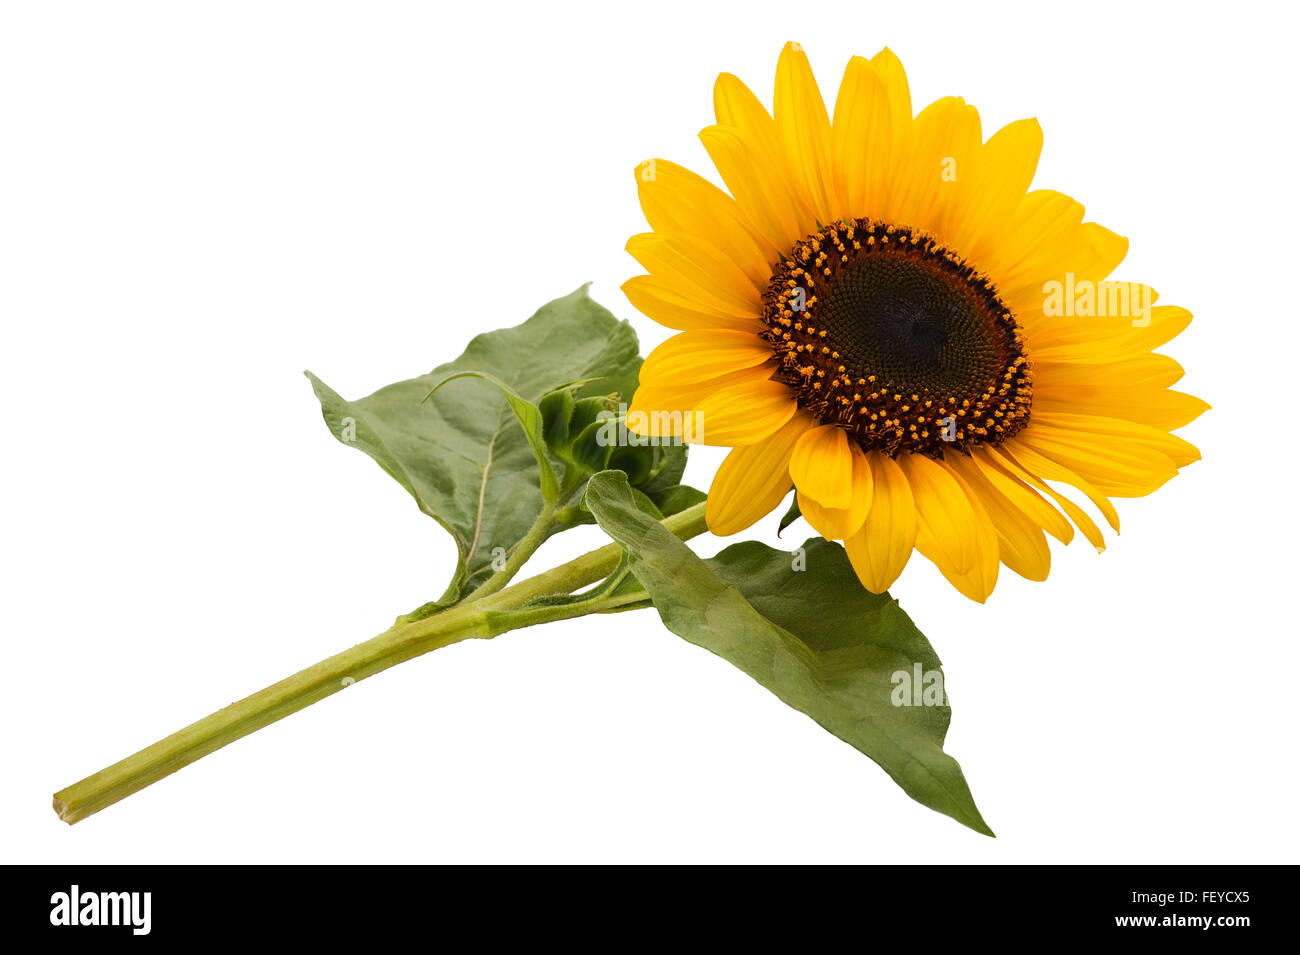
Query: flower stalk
[[482, 615]]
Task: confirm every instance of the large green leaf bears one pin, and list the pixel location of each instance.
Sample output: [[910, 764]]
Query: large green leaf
[[811, 634], [463, 454], [529, 417]]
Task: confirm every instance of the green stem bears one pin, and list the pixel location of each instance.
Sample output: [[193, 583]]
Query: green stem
[[536, 536], [263, 708], [487, 616]]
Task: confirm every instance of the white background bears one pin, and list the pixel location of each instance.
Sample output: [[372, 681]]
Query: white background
[[198, 201]]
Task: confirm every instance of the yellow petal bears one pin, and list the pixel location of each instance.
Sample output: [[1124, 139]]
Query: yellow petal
[[880, 550], [671, 411], [1106, 463], [1049, 469], [1142, 371], [946, 531], [1024, 246], [945, 137], [805, 133], [743, 414], [1088, 251], [674, 199], [1100, 320], [978, 582], [992, 190], [861, 137], [752, 480], [822, 467], [699, 268], [736, 106], [661, 301], [841, 524], [1023, 497], [891, 74], [1085, 523], [1120, 430], [758, 185], [1105, 340], [1021, 544], [694, 357]]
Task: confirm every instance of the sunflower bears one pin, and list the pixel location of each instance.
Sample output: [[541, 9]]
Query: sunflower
[[882, 315]]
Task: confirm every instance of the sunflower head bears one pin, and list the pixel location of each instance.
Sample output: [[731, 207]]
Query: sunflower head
[[880, 313]]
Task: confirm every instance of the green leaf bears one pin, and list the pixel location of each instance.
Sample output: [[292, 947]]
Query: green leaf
[[530, 419], [461, 455], [813, 636]]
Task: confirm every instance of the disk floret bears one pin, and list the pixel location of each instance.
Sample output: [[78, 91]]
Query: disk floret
[[883, 331]]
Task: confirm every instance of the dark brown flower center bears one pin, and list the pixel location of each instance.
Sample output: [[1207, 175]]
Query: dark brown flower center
[[884, 332]]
